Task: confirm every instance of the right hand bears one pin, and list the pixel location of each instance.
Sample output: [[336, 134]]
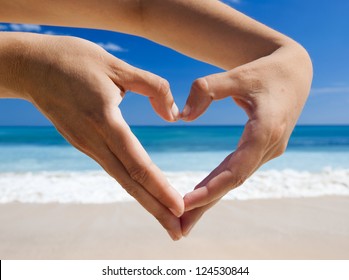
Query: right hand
[[79, 87], [272, 90]]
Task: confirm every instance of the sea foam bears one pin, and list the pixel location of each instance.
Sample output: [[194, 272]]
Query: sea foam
[[98, 187]]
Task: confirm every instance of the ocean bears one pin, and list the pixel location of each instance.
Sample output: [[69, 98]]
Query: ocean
[[38, 166]]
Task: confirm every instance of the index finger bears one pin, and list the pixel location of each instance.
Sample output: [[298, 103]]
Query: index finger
[[232, 172], [124, 144], [157, 89]]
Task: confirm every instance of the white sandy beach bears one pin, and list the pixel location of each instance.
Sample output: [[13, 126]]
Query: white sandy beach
[[288, 228]]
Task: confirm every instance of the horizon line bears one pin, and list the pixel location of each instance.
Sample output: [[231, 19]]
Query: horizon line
[[169, 125]]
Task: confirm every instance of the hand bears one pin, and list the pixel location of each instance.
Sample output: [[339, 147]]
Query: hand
[[272, 90], [79, 87]]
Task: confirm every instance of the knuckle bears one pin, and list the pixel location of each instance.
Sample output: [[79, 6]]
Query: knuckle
[[76, 139], [280, 149], [163, 87], [271, 132], [259, 132], [263, 137], [236, 178], [79, 142], [239, 180], [277, 133], [139, 173], [131, 189], [201, 85]]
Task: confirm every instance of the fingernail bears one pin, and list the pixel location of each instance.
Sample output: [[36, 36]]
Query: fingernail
[[175, 111], [174, 236], [186, 111], [176, 212], [185, 234]]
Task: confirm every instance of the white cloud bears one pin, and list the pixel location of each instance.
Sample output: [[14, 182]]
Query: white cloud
[[329, 90], [111, 47], [25, 27], [50, 32]]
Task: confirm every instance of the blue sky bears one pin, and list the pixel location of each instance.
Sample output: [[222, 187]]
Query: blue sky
[[320, 26]]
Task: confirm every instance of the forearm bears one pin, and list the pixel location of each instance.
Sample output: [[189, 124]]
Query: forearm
[[11, 51], [117, 15], [206, 30], [210, 31]]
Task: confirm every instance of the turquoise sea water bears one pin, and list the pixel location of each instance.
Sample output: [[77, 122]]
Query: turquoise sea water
[[173, 148]]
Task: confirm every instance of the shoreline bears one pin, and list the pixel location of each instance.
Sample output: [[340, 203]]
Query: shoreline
[[287, 228], [95, 187]]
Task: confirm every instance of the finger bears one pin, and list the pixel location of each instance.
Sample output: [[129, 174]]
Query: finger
[[116, 169], [94, 146], [148, 84], [138, 164], [231, 173], [189, 219], [205, 90]]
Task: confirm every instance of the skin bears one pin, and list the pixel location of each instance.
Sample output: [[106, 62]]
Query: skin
[[82, 89], [266, 73]]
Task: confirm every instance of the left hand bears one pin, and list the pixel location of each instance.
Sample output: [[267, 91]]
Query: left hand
[[79, 87], [272, 90]]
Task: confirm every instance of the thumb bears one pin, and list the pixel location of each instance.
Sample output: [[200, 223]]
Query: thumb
[[205, 90], [150, 85]]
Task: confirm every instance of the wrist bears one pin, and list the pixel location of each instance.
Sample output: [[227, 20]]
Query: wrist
[[297, 57]]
